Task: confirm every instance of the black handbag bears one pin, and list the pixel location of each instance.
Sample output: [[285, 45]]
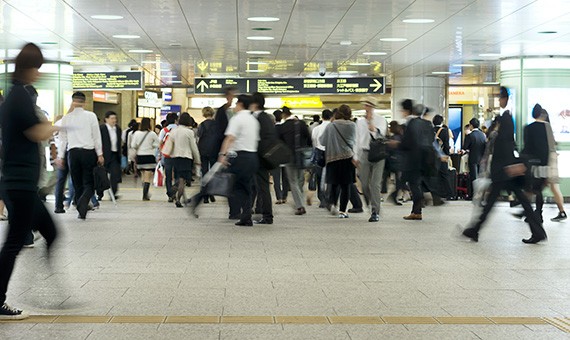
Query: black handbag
[[319, 158], [221, 184], [378, 149], [303, 155], [278, 154], [101, 180]]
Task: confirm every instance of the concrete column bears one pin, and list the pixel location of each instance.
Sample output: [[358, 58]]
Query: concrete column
[[430, 91]]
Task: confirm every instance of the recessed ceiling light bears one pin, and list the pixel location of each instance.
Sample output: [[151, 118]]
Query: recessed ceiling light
[[141, 51], [418, 21], [106, 17], [347, 72], [256, 63], [548, 32], [48, 43], [441, 72], [176, 82], [175, 44], [263, 19], [374, 53], [463, 65], [393, 39], [491, 83], [261, 38], [261, 29], [150, 61], [254, 71], [490, 55], [359, 64], [99, 48], [258, 52], [346, 43], [126, 36], [168, 76]]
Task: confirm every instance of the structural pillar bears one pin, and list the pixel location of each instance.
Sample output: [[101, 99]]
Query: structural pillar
[[429, 91]]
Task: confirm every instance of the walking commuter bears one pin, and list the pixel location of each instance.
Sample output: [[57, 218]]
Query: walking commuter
[[474, 146], [443, 137], [207, 144], [239, 150], [80, 133], [506, 172], [395, 160], [295, 134], [371, 126], [267, 139], [339, 140], [171, 120], [145, 142], [279, 175], [223, 115], [111, 140], [128, 153], [316, 122], [184, 155], [320, 149], [22, 131]]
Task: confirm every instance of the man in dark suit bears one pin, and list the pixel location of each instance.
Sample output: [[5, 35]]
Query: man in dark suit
[[223, 115], [111, 140], [475, 146], [507, 173], [267, 139]]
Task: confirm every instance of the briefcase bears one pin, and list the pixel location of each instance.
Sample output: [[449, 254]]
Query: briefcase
[[101, 179], [220, 184]]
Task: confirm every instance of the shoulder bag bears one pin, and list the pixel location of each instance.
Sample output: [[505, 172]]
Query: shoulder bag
[[302, 154], [377, 148]]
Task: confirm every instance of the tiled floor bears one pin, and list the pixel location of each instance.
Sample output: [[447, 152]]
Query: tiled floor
[[301, 278]]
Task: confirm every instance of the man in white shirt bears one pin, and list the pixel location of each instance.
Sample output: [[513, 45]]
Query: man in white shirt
[[242, 139], [315, 135], [370, 173], [81, 137]]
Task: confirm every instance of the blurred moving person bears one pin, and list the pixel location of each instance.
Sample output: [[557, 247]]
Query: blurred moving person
[[111, 140], [22, 131], [207, 144], [280, 181], [320, 148], [474, 146], [171, 124], [145, 142]]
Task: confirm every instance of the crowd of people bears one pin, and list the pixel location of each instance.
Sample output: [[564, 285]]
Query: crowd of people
[[337, 157]]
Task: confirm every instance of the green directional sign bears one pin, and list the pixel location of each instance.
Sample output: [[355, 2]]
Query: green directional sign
[[292, 86]]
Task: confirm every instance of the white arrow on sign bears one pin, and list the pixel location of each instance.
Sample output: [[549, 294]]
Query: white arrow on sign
[[202, 85], [377, 85]]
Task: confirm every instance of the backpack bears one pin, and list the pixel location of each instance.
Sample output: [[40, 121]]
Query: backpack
[[163, 141], [438, 140]]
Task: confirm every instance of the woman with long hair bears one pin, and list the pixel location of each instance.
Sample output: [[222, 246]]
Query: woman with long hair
[[145, 142]]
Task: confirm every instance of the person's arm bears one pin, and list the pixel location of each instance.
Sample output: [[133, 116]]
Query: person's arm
[[155, 141], [132, 140], [194, 148], [40, 132], [226, 145]]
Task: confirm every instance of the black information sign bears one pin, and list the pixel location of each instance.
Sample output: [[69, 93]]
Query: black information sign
[[108, 81], [284, 86]]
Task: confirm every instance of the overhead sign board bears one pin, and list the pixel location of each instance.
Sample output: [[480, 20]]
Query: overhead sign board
[[88, 81], [292, 86]]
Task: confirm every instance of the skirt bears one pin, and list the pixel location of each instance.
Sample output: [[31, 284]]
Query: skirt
[[182, 168], [146, 162], [341, 172]]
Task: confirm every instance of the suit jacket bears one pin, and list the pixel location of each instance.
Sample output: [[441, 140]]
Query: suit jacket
[[536, 142], [417, 144], [475, 142], [503, 151], [221, 119], [267, 137], [106, 140], [444, 136], [288, 130]]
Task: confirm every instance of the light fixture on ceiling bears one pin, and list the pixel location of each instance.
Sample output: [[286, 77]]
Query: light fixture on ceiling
[[260, 38], [49, 43], [141, 51], [150, 61], [547, 32], [175, 44], [393, 39], [441, 72], [263, 19], [106, 17], [491, 83], [258, 52], [168, 76], [126, 36], [463, 65], [490, 55], [347, 72], [254, 71], [418, 21], [359, 64], [262, 29], [256, 63], [345, 43], [375, 53], [176, 82]]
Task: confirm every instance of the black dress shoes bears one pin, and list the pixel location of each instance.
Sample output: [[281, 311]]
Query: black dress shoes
[[264, 221], [244, 223], [472, 234], [234, 217], [59, 211], [355, 210], [533, 240]]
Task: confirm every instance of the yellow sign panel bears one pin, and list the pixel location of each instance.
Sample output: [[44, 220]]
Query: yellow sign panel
[[303, 102]]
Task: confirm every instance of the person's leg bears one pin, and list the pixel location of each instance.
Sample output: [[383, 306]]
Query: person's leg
[[115, 174], [168, 172], [44, 223], [354, 197], [477, 224], [385, 178], [365, 173], [60, 187], [375, 185], [76, 171], [344, 196], [335, 194], [414, 181], [263, 194], [88, 163], [276, 175], [473, 170], [295, 185], [20, 221], [285, 186], [555, 188], [536, 228]]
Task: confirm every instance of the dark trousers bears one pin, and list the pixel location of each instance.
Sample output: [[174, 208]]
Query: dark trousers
[[263, 203], [244, 167], [443, 187], [25, 210], [343, 191], [321, 191], [168, 175], [280, 183], [60, 185], [355, 199], [81, 165], [414, 179], [207, 163], [496, 188], [113, 167], [473, 173]]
